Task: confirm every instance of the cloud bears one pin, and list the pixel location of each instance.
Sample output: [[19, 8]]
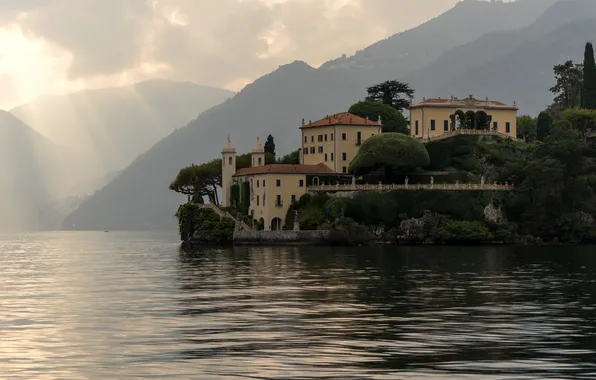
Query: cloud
[[216, 42]]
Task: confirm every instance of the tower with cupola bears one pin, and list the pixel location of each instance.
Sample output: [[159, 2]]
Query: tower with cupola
[[228, 169], [258, 155]]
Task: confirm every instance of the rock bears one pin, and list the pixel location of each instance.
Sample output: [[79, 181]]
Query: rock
[[493, 214]]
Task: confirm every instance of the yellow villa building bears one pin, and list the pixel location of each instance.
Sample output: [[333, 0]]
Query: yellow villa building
[[436, 116], [328, 147]]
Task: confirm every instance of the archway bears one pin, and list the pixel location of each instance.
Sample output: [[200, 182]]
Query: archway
[[315, 181], [458, 120], [470, 120], [261, 224], [483, 120], [276, 224]]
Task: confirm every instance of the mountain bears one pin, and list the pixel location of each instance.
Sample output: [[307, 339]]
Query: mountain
[[31, 173], [139, 199], [113, 126]]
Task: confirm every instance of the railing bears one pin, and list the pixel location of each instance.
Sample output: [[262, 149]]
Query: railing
[[224, 214], [458, 132], [446, 187]]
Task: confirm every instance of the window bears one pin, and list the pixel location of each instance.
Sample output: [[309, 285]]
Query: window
[[332, 137], [320, 149], [332, 157], [416, 127], [446, 125], [344, 136], [258, 183], [278, 183], [312, 150], [230, 161], [263, 186], [293, 198], [358, 138], [301, 183], [278, 201], [257, 200], [496, 125], [305, 150], [312, 138], [507, 127], [325, 137], [344, 156], [433, 125], [260, 161], [325, 157], [305, 139], [344, 169]]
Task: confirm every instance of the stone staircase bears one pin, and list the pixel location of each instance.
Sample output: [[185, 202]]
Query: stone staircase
[[465, 132], [225, 214]]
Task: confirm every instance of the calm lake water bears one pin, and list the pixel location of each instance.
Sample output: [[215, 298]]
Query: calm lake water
[[130, 305]]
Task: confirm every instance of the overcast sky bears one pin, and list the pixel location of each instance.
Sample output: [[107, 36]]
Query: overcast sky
[[55, 46]]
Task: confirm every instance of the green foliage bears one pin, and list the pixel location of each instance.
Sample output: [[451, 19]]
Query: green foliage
[[390, 152], [311, 218], [526, 128], [392, 93], [583, 120], [544, 124], [270, 145], [336, 207], [589, 91], [464, 231], [244, 198], [567, 90], [345, 231], [203, 226], [392, 119], [198, 181], [290, 159], [235, 195]]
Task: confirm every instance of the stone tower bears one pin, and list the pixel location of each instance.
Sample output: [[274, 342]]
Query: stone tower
[[258, 155], [228, 169]]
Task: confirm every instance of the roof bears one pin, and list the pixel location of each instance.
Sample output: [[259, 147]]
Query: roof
[[258, 148], [344, 118], [229, 148], [469, 102], [285, 169]]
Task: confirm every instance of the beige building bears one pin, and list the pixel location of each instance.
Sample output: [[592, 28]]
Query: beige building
[[335, 140], [269, 190], [436, 116]]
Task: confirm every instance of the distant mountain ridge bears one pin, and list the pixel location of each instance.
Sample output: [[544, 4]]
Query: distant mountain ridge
[[275, 103], [114, 125]]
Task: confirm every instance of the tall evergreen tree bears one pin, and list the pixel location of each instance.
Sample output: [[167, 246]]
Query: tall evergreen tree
[[270, 145], [589, 93], [544, 123]]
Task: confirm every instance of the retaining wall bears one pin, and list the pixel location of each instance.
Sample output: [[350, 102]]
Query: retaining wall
[[280, 237]]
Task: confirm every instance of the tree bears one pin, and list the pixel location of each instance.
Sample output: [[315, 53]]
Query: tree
[[392, 93], [390, 152], [544, 123], [392, 119], [290, 159], [270, 145], [583, 120], [526, 128], [569, 77], [589, 92], [198, 181]]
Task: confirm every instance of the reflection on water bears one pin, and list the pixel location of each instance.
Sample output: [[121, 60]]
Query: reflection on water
[[102, 306]]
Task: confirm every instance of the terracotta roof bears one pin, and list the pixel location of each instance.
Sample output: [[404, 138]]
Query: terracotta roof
[[285, 169], [469, 102], [343, 118]]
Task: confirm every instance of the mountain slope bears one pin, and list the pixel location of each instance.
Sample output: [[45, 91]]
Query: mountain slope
[[403, 53], [113, 126], [139, 199], [30, 174], [457, 62]]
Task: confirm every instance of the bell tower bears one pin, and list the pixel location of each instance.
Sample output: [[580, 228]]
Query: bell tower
[[257, 155], [228, 169]]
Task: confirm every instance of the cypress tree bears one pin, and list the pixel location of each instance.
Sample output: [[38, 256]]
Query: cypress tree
[[589, 93], [544, 123], [270, 145]]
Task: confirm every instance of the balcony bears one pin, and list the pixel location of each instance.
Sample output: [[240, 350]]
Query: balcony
[[358, 142], [279, 204]]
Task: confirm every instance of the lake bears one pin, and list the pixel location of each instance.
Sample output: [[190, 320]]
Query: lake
[[94, 305]]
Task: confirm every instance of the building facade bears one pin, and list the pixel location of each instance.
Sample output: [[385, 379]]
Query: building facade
[[270, 190], [335, 140], [436, 116]]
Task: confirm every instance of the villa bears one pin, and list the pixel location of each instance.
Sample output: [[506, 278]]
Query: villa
[[434, 117], [328, 147]]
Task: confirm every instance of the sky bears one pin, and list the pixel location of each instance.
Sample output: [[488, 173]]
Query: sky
[[59, 46]]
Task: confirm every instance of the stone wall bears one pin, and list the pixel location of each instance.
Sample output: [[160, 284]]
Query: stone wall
[[280, 237]]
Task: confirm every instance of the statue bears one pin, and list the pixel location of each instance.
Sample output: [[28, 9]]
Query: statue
[[296, 221], [432, 180], [407, 181], [482, 180]]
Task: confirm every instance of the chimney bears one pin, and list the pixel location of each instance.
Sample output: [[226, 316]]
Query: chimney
[[303, 122]]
